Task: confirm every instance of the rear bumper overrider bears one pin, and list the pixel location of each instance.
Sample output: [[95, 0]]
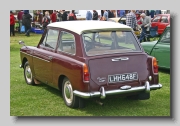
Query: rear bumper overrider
[[102, 93]]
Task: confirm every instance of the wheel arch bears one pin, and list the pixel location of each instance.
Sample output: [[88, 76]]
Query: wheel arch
[[24, 61], [60, 81]]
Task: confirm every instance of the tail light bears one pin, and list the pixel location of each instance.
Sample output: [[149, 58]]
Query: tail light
[[155, 65], [85, 73]]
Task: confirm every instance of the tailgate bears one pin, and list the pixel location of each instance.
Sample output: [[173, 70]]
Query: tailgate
[[126, 69]]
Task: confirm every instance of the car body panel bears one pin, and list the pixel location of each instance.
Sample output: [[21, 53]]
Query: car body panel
[[160, 49]]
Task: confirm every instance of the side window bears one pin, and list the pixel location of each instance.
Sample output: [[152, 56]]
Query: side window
[[67, 43], [166, 37], [156, 19], [164, 19], [50, 40]]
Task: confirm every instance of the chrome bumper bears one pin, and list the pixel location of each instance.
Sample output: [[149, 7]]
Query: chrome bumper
[[102, 93]]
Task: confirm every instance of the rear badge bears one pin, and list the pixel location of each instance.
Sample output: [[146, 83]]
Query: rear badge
[[101, 79]]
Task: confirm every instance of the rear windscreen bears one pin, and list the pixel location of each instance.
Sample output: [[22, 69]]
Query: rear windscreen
[[98, 43]]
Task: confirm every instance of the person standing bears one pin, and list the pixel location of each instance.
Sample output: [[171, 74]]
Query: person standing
[[19, 17], [26, 21], [45, 20], [59, 15], [53, 16], [95, 15], [88, 15], [12, 23], [110, 14], [64, 16], [38, 17], [146, 24], [138, 18], [152, 13], [72, 16], [131, 20], [147, 12], [122, 13], [105, 15], [157, 12]]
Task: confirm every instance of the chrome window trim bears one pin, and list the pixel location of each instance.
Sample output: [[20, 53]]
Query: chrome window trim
[[59, 44]]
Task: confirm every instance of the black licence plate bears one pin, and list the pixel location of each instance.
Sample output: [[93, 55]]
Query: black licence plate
[[122, 77]]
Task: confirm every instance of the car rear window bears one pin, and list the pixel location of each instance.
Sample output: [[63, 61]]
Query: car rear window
[[156, 19], [164, 19], [99, 43]]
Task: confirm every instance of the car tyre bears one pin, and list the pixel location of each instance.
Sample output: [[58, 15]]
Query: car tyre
[[70, 99], [28, 74]]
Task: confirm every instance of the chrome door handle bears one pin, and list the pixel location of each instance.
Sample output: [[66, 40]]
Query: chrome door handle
[[120, 58]]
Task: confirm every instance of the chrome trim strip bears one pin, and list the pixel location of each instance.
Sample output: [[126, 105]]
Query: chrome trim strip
[[35, 56], [26, 53], [102, 93], [41, 59]]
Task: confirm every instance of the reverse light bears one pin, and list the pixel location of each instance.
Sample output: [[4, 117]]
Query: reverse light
[[155, 65], [85, 73]]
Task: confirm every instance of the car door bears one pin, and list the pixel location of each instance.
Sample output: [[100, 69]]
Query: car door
[[163, 23], [155, 22], [162, 50], [43, 56]]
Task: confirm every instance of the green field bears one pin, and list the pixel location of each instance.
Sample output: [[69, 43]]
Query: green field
[[42, 100]]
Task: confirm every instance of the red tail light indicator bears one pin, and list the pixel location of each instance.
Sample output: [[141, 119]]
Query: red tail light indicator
[[155, 65], [85, 73]]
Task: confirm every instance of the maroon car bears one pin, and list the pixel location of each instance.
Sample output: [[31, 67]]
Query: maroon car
[[160, 20], [90, 59]]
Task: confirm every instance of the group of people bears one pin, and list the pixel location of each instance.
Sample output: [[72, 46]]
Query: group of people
[[105, 14], [134, 18], [142, 19], [24, 19]]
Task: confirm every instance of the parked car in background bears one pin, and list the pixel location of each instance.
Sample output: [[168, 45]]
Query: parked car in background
[[161, 20], [81, 14], [71, 58], [160, 49]]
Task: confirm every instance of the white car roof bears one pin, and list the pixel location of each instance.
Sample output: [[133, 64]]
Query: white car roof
[[89, 25]]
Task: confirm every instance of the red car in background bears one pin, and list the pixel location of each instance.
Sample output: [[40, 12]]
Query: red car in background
[[160, 20]]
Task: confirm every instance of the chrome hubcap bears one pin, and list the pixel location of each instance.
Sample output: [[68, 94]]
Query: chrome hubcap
[[68, 92], [28, 74]]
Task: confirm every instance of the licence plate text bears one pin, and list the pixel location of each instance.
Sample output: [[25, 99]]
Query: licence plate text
[[122, 77]]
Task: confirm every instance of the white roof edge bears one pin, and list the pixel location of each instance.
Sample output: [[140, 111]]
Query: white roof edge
[[80, 26]]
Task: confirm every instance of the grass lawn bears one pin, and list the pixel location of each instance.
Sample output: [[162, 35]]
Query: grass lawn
[[42, 100]]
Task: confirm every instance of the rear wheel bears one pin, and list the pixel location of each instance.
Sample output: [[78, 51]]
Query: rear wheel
[[28, 74], [67, 92]]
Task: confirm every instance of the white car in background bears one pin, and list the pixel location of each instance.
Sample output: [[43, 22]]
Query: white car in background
[[81, 14]]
